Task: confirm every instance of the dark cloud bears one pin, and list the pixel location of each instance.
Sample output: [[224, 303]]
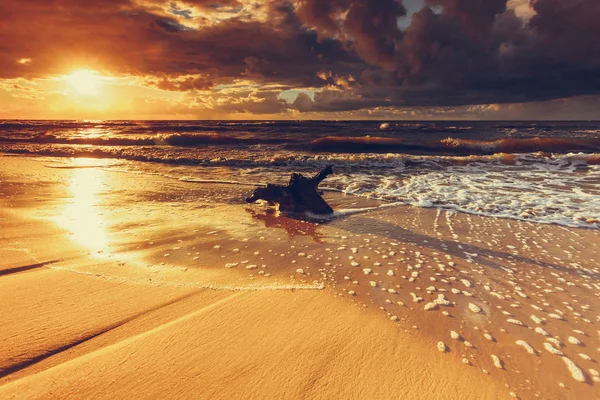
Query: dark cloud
[[171, 26], [214, 4], [352, 52], [369, 27], [568, 32], [472, 52], [247, 102], [303, 103], [182, 83], [337, 101], [477, 16], [175, 10]]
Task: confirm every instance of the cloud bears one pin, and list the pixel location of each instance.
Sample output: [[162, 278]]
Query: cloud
[[182, 83], [369, 27], [353, 54], [477, 16]]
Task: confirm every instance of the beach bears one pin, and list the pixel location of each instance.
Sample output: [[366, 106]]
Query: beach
[[121, 285], [300, 199]]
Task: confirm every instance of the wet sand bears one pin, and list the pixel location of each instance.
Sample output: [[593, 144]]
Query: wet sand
[[124, 285]]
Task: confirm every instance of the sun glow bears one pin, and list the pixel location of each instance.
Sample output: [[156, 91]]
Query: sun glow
[[84, 82], [83, 215]]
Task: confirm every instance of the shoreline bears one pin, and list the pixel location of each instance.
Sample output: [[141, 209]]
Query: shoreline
[[156, 239]]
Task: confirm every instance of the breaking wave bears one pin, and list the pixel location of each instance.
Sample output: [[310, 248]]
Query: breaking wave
[[526, 145], [453, 146], [176, 139]]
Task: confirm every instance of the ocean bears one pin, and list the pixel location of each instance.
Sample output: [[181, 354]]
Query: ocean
[[544, 172]]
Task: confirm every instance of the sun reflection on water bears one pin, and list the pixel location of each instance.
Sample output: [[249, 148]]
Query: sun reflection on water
[[82, 214]]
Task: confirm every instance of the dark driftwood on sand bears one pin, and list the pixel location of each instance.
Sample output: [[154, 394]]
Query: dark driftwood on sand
[[299, 196]]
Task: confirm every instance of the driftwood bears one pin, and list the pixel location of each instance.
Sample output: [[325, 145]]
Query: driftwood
[[299, 196]]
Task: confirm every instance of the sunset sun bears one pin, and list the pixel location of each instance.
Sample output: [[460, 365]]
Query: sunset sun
[[84, 82]]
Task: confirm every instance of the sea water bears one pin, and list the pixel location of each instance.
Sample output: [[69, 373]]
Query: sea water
[[545, 172]]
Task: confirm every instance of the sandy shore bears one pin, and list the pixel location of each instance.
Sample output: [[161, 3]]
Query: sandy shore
[[117, 285]]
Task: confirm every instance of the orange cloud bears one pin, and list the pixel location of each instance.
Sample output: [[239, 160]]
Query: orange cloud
[[352, 53]]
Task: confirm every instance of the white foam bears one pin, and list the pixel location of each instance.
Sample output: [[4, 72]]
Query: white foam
[[574, 340], [555, 341], [475, 308], [541, 331], [416, 298], [585, 356], [497, 362], [552, 349], [442, 300], [537, 320], [535, 188], [575, 371], [526, 346]]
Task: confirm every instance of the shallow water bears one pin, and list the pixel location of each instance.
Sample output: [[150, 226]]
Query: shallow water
[[545, 172]]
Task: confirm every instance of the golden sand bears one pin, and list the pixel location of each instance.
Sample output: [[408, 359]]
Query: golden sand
[[116, 285]]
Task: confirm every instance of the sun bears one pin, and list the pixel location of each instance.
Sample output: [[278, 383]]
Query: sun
[[84, 82]]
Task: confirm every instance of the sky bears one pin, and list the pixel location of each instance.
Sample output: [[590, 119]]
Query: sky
[[300, 59]]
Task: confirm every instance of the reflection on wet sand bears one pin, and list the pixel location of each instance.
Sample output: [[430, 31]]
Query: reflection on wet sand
[[82, 214], [293, 227]]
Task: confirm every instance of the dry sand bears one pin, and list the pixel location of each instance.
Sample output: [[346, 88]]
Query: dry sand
[[115, 285]]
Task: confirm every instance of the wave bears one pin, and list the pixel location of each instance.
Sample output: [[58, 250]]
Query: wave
[[453, 146], [77, 163], [527, 145], [538, 187], [195, 140], [442, 129], [158, 127], [252, 158], [361, 144], [176, 139], [9, 125]]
